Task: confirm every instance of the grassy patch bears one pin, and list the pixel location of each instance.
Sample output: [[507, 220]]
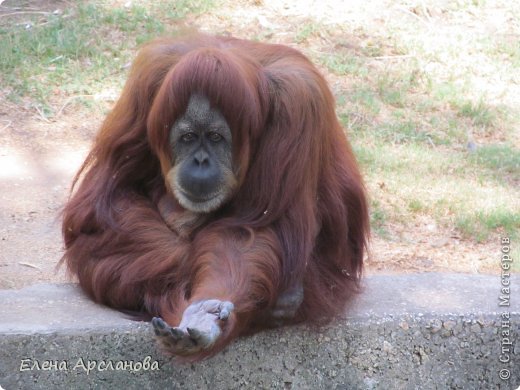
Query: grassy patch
[[344, 64], [413, 179], [400, 132], [416, 206], [410, 128], [447, 91], [177, 9], [515, 254], [480, 225], [394, 89], [501, 159], [368, 98], [378, 219], [80, 51], [365, 156], [480, 114], [306, 31]]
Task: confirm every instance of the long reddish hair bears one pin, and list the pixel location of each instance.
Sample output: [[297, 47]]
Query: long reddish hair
[[300, 197]]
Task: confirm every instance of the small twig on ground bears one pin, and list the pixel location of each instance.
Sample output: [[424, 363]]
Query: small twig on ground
[[67, 102], [42, 115], [426, 12], [26, 13], [6, 126], [407, 11], [29, 265], [396, 57], [49, 21], [18, 8]]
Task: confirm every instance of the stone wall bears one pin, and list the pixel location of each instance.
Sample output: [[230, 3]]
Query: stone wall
[[421, 331]]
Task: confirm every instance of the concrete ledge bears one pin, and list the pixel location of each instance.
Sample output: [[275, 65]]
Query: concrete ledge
[[422, 331]]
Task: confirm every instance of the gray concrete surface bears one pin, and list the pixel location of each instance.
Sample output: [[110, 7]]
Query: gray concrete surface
[[421, 331]]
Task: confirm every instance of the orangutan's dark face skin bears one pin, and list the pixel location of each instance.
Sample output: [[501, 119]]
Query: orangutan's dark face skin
[[202, 177]]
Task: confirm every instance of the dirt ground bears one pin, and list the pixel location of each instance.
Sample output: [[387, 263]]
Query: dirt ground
[[38, 159], [37, 162]]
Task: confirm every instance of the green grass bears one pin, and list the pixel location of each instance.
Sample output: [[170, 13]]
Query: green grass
[[400, 132], [378, 219], [409, 131], [81, 51], [416, 206], [394, 91], [306, 31], [343, 64], [416, 179], [367, 98], [445, 91], [480, 225], [366, 157], [480, 113], [510, 49], [499, 158], [515, 254]]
